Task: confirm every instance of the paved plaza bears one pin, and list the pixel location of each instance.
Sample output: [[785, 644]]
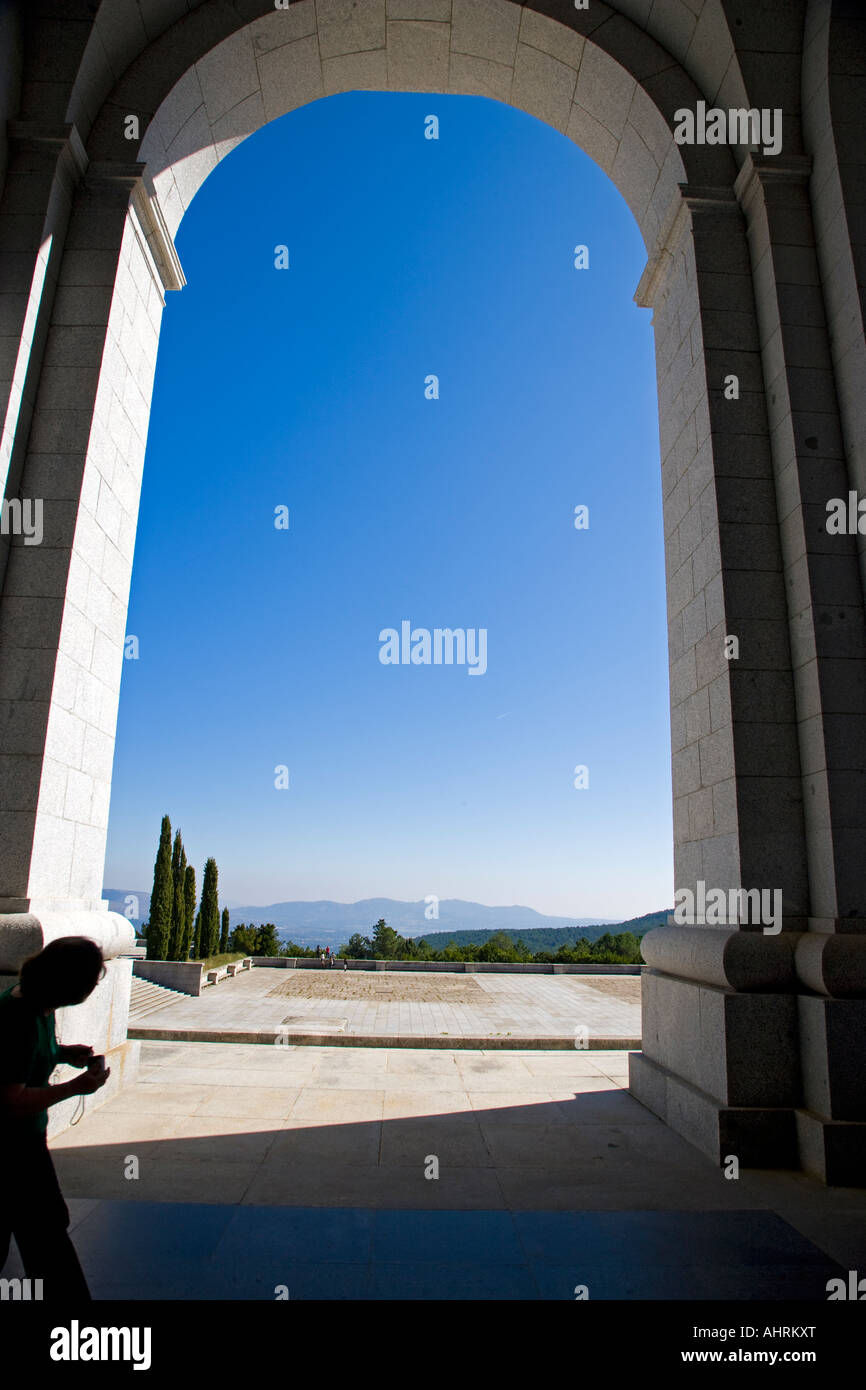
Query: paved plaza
[[170, 1252], [438, 1010], [307, 1166]]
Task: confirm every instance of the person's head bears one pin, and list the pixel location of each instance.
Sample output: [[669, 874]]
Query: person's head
[[65, 972]]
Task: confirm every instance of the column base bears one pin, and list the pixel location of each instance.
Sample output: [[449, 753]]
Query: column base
[[759, 1136], [833, 1151]]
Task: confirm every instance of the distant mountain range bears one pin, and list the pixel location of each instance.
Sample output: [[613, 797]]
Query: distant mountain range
[[551, 938], [328, 923]]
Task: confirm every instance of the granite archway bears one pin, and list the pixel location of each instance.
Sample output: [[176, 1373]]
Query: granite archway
[[754, 269]]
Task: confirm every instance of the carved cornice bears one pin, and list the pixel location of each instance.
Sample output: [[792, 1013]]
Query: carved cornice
[[159, 238], [62, 143], [759, 172], [125, 179]]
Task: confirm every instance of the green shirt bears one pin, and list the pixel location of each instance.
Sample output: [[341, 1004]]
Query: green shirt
[[29, 1052]]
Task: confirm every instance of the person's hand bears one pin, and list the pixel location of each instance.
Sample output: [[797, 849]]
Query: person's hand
[[78, 1055], [92, 1081]]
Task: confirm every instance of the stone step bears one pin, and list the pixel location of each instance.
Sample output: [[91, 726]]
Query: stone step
[[139, 1001], [146, 997]]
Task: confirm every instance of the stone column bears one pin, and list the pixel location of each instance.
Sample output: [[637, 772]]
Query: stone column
[[718, 997], [63, 602], [753, 1042], [828, 641], [46, 164]]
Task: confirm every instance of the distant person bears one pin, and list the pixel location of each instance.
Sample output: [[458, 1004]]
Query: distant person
[[32, 1208]]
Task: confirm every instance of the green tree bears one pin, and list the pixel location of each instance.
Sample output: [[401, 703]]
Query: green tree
[[189, 911], [243, 938], [422, 950], [386, 942], [499, 947], [224, 934], [178, 904], [267, 941], [209, 911], [161, 899], [196, 938], [291, 948], [358, 947], [628, 945]]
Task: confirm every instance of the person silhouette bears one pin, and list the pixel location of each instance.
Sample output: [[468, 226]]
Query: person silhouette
[[32, 1208]]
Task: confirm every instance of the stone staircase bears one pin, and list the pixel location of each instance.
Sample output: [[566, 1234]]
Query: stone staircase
[[146, 998]]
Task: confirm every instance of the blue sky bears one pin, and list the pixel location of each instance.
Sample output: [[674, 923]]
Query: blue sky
[[305, 388]]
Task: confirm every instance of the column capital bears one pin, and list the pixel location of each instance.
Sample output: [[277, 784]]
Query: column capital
[[698, 196], [122, 175], [759, 172], [688, 199], [657, 268], [121, 184], [58, 145], [39, 135]]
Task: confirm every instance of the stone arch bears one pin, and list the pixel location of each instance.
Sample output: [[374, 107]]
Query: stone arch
[[754, 743], [513, 55], [610, 86]]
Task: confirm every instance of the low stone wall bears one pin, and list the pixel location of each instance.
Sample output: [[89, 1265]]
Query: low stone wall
[[188, 977], [182, 975], [459, 967], [227, 972]]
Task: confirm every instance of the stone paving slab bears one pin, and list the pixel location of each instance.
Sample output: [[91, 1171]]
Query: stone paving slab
[[339, 1008], [334, 1127], [308, 1166], [131, 1251]]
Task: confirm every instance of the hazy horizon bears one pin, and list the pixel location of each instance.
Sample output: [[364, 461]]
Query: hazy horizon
[[235, 905]]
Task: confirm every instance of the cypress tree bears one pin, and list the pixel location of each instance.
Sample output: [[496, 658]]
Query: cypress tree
[[189, 913], [209, 911], [224, 934], [178, 910], [161, 899], [196, 938]]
